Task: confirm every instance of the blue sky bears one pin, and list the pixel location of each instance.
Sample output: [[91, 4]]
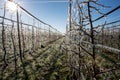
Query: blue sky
[[112, 17], [55, 13]]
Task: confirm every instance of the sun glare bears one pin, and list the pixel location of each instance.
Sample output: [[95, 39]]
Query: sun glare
[[11, 6]]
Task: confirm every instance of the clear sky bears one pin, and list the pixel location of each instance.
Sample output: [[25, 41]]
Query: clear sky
[[54, 12]]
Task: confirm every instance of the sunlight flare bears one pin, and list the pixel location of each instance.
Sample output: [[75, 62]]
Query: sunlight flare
[[11, 6]]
